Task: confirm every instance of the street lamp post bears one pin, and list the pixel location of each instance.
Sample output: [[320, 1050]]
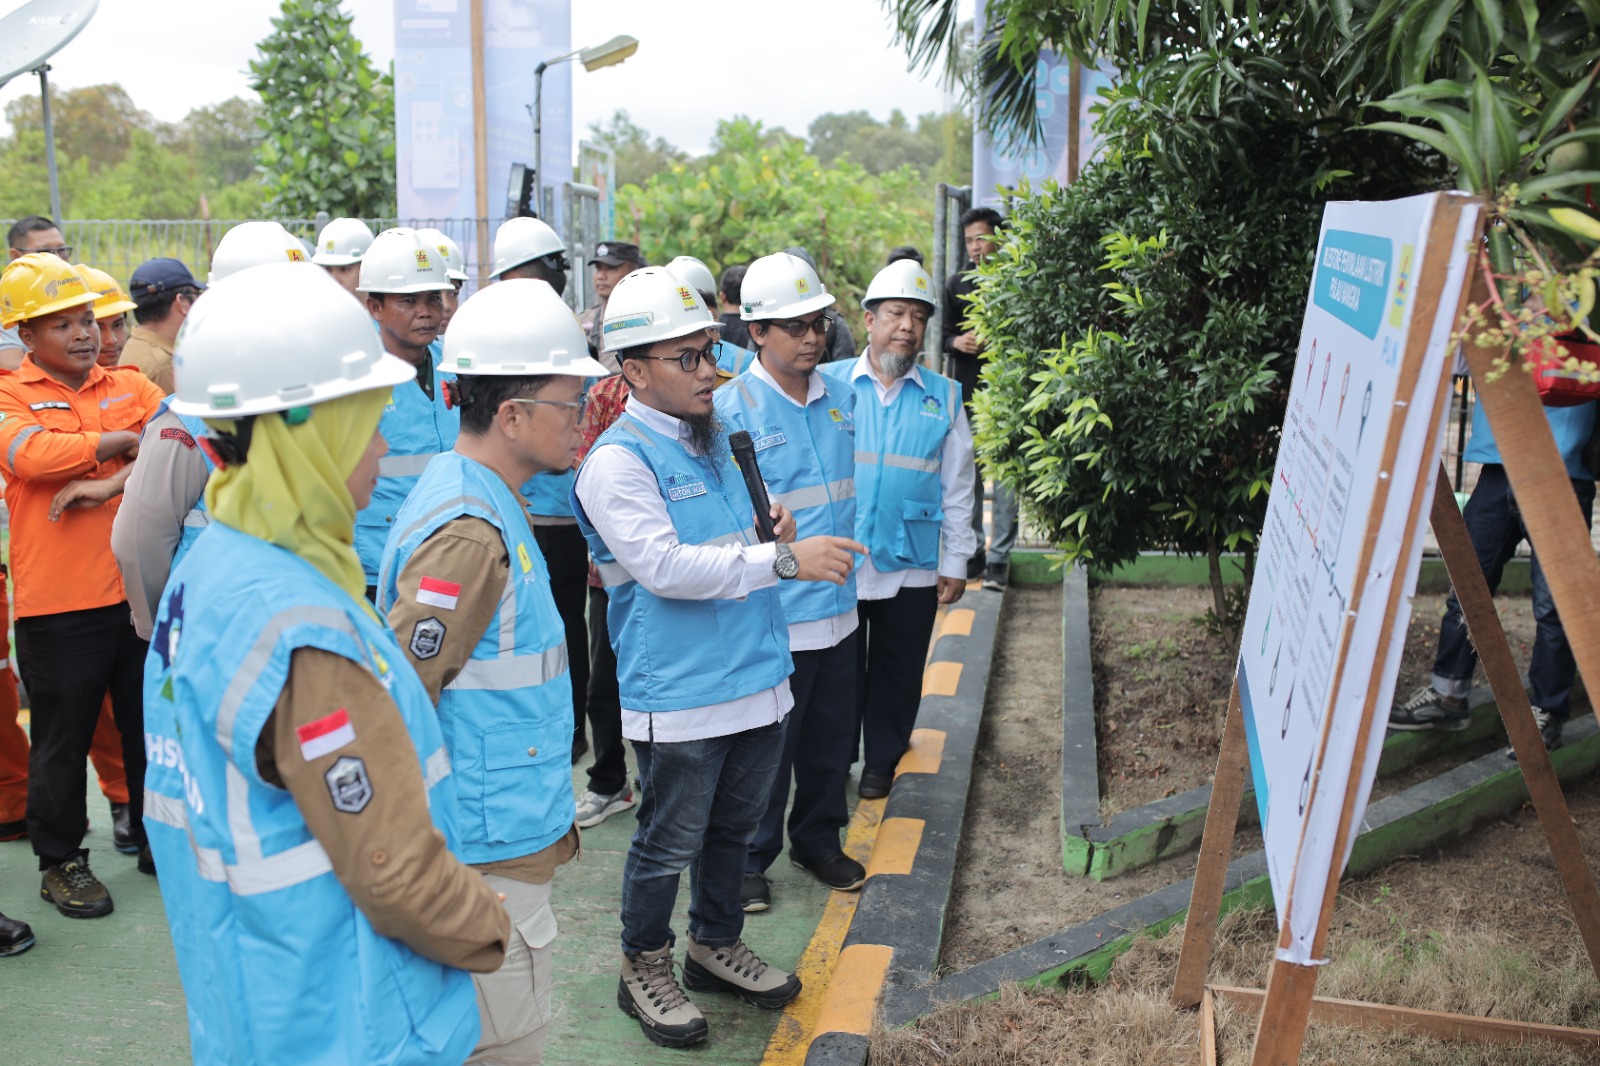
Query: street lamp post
[[604, 55]]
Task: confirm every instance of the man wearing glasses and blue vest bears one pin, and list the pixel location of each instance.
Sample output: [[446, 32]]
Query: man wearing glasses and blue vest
[[702, 652], [803, 427]]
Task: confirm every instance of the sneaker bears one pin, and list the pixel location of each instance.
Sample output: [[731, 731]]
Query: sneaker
[[838, 871], [15, 937], [122, 830], [75, 890], [17, 830], [649, 992], [596, 807], [739, 970], [755, 895], [1549, 724], [996, 575], [1426, 709]]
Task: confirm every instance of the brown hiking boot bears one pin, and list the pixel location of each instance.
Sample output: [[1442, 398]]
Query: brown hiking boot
[[75, 890], [649, 992], [739, 970]]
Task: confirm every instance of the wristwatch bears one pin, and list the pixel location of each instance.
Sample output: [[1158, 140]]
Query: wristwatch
[[784, 564]]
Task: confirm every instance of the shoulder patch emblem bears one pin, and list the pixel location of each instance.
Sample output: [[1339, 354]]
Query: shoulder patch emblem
[[348, 785], [179, 435], [427, 637]]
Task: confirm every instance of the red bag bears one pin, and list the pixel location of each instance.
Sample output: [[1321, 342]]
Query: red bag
[[1558, 386]]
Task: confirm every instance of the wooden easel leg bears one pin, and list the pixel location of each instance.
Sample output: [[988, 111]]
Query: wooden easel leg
[[1489, 638], [1216, 843], [1284, 1013]]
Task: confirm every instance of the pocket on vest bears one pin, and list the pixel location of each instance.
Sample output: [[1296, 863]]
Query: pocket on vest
[[917, 536], [518, 802]]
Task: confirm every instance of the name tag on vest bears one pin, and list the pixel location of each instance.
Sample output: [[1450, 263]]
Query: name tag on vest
[[769, 437], [50, 405], [684, 487]]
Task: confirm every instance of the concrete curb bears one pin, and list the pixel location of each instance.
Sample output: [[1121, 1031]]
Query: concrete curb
[[894, 937], [1428, 813]]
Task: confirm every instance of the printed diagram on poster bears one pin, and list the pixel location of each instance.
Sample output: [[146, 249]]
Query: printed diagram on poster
[[1355, 462]]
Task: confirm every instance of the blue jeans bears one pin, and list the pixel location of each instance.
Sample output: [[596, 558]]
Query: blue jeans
[[699, 806], [1495, 526]]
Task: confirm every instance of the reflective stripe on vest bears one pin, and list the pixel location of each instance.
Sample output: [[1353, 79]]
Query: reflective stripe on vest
[[904, 462], [817, 495], [518, 671], [404, 465]]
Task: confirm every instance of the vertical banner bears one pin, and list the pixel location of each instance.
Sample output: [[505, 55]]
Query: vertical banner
[[994, 166], [435, 178], [1327, 622]]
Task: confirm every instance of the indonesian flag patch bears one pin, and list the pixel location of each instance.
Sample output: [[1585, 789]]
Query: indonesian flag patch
[[326, 734], [437, 593]]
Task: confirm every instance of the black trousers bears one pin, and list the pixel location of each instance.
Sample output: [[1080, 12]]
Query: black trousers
[[891, 649], [819, 744], [609, 774], [68, 663], [566, 553]]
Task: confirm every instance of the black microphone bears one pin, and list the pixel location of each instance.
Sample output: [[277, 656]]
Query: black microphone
[[744, 453]]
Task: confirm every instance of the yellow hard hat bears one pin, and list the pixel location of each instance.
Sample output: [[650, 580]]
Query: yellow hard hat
[[39, 284], [112, 300]]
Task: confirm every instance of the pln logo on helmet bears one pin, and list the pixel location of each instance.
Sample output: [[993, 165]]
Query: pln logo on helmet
[[423, 262], [801, 287], [687, 297]]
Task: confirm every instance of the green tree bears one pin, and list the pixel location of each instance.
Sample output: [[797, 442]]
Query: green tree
[[95, 123], [222, 139], [327, 114], [638, 157], [761, 191], [938, 146]]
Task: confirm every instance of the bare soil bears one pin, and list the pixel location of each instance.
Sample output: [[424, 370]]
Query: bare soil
[[1161, 686]]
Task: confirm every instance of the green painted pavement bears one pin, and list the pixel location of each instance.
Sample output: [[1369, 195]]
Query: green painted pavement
[[106, 990]]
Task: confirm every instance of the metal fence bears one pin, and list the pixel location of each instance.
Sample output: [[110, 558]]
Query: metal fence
[[949, 252]]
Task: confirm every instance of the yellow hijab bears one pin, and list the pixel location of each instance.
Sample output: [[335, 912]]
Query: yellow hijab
[[292, 491]]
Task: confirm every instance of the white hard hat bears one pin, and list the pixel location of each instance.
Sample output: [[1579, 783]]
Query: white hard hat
[[695, 272], [253, 244], [519, 326], [901, 280], [342, 242], [455, 264], [652, 304], [781, 286], [522, 240], [400, 262], [230, 360]]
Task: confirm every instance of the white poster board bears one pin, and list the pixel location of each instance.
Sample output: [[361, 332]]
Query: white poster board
[[1355, 467]]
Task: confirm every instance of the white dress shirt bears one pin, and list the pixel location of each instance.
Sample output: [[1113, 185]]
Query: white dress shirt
[[821, 632], [622, 499], [956, 477]]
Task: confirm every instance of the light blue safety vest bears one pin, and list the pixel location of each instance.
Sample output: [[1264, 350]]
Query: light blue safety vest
[[1571, 427], [198, 517], [675, 655], [899, 508], [807, 458], [507, 716], [277, 963], [417, 429], [733, 359], [549, 494]]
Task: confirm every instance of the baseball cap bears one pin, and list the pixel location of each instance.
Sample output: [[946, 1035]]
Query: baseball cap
[[617, 253], [156, 276]]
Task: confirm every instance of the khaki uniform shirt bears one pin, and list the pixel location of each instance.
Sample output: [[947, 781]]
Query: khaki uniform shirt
[[389, 857], [151, 354], [471, 553]]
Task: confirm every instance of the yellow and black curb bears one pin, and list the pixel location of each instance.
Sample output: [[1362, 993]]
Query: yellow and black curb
[[888, 936]]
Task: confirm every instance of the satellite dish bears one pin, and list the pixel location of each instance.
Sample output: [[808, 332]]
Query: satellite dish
[[38, 30]]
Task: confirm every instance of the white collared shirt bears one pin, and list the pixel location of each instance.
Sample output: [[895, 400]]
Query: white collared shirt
[[956, 477], [622, 499], [821, 632]]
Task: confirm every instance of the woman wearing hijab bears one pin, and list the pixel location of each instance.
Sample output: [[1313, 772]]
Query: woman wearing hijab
[[299, 795]]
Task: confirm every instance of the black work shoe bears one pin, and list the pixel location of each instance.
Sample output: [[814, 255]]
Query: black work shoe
[[1426, 709], [739, 970], [75, 890], [17, 830], [874, 786], [838, 871], [580, 747], [15, 936], [122, 830], [649, 992], [147, 861], [1549, 724], [976, 565], [755, 895]]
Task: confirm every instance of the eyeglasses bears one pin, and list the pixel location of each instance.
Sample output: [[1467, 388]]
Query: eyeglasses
[[64, 251], [689, 359], [577, 407], [798, 329]]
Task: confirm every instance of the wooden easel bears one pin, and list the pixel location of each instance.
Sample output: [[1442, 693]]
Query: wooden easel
[[1558, 534]]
